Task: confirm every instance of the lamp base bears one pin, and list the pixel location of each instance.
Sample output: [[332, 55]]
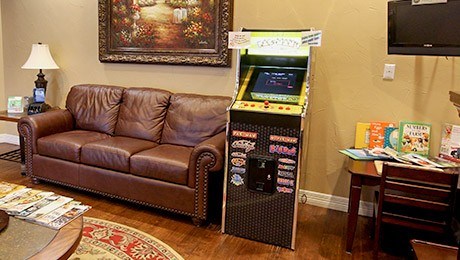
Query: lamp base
[[37, 108], [41, 82]]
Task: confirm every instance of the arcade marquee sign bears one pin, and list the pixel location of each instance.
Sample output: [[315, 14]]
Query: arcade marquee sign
[[273, 43]]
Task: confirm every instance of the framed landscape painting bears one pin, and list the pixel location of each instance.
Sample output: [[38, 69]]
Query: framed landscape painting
[[185, 32]]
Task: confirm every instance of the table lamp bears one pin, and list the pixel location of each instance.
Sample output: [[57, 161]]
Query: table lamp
[[40, 58]]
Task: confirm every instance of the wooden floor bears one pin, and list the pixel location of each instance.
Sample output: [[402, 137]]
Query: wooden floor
[[320, 235]]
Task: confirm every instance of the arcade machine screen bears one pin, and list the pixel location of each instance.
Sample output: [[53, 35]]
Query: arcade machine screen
[[275, 84]]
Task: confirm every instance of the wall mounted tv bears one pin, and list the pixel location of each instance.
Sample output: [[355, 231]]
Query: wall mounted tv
[[429, 29]]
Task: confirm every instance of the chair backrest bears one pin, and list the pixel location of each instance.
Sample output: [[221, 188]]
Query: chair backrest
[[417, 197]]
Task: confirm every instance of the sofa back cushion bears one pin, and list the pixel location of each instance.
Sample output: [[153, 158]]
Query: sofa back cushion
[[95, 107], [142, 113], [192, 118]]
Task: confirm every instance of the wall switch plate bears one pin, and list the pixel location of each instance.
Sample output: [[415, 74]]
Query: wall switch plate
[[389, 71]]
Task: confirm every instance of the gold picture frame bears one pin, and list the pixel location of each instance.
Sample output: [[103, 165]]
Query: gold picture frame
[[177, 32]]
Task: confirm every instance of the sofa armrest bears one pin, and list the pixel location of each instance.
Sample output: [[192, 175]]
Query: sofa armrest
[[215, 146], [206, 157], [40, 125]]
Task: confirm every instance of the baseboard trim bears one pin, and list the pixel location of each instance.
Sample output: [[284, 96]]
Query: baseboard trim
[[333, 202], [11, 139]]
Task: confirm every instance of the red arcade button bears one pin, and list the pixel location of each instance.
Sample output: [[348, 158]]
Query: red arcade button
[[266, 104]]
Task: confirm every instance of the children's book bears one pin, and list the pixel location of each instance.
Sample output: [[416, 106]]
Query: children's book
[[445, 163], [391, 138], [396, 155], [421, 160], [450, 158], [377, 133], [362, 135], [364, 154], [414, 137], [450, 141]]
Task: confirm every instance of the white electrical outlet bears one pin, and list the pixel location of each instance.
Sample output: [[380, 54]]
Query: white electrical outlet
[[389, 71]]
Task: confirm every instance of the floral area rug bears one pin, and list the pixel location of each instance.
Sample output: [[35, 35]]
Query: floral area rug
[[108, 240]]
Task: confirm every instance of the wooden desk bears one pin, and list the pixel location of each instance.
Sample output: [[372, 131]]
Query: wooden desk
[[362, 173], [11, 117], [14, 117]]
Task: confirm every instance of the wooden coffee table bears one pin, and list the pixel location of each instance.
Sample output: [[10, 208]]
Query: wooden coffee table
[[24, 240]]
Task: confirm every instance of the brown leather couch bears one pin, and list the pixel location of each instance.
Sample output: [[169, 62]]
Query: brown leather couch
[[144, 145]]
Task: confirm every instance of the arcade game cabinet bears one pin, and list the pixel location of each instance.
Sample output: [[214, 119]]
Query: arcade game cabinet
[[264, 138]]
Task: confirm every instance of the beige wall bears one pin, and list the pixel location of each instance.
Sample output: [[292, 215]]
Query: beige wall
[[347, 87], [2, 79]]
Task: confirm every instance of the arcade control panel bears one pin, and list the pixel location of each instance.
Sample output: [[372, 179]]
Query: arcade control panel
[[267, 107]]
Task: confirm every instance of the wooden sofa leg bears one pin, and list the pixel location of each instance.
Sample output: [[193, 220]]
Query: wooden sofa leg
[[35, 180], [197, 221]]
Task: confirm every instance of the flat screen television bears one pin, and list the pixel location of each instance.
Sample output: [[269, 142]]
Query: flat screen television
[[430, 29]]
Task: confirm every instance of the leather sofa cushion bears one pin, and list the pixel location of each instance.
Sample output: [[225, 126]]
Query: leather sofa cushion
[[165, 162], [142, 113], [67, 145], [192, 118], [114, 152], [95, 107]]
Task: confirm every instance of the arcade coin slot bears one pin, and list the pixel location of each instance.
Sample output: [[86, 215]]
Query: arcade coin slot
[[262, 174]]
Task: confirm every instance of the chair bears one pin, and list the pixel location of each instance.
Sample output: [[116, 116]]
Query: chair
[[424, 250], [415, 197]]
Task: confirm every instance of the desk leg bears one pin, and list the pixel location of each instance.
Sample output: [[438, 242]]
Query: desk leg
[[353, 208], [23, 155]]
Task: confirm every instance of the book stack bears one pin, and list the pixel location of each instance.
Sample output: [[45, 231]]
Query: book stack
[[40, 207], [409, 137], [408, 144]]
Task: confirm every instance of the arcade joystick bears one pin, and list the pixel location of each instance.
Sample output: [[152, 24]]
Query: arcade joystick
[[266, 104]]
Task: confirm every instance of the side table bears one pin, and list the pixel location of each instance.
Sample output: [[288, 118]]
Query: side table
[[14, 117]]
